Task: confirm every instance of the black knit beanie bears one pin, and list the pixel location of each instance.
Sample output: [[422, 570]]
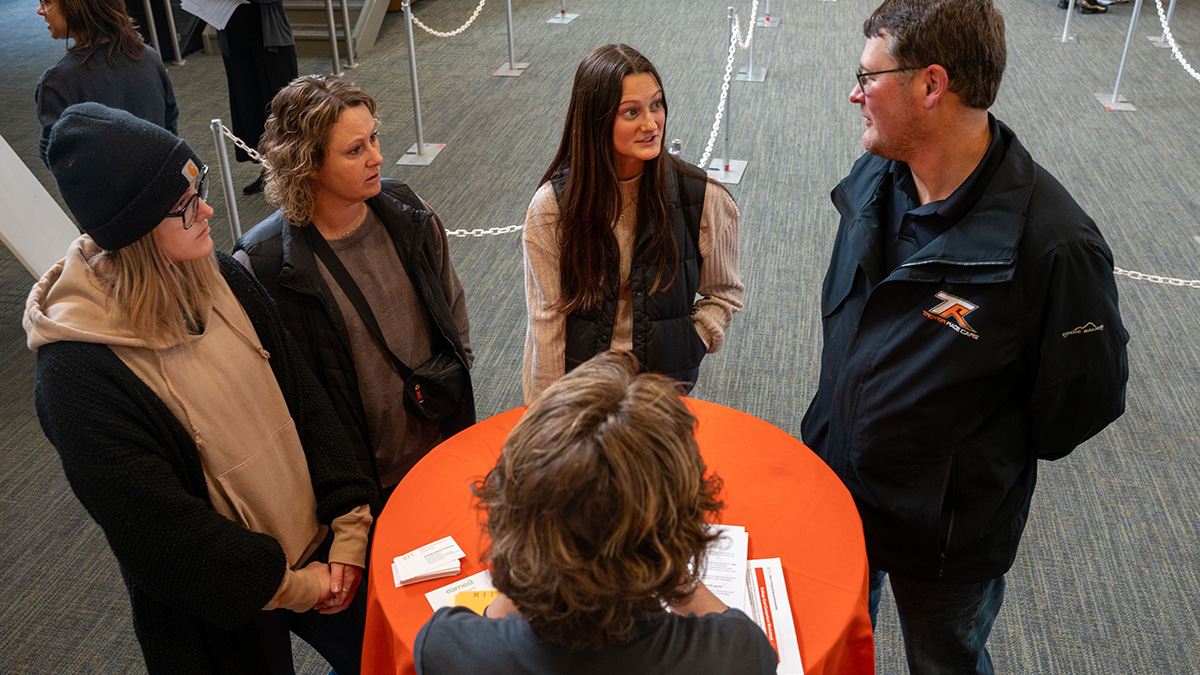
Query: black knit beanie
[[119, 174]]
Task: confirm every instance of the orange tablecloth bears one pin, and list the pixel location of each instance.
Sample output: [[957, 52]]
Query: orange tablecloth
[[791, 504]]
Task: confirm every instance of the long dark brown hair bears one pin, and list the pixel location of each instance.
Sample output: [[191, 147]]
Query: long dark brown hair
[[95, 22], [591, 199]]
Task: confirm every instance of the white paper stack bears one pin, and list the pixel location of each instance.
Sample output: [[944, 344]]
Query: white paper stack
[[431, 561], [770, 609], [725, 566]]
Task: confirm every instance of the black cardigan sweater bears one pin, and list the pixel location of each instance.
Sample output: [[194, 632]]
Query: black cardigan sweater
[[195, 578]]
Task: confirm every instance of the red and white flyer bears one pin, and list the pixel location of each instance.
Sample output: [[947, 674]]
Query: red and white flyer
[[770, 610]]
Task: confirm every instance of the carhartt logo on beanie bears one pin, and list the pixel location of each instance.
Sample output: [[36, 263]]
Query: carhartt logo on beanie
[[120, 175]]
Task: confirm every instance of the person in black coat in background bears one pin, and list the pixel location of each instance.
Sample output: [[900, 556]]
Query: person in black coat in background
[[108, 64], [259, 53]]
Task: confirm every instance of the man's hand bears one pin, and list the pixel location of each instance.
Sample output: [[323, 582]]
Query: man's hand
[[343, 583]]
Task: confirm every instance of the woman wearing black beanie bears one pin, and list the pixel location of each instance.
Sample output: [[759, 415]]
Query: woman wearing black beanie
[[186, 421]]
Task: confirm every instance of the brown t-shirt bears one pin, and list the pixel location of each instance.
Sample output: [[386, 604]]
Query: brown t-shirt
[[398, 439]]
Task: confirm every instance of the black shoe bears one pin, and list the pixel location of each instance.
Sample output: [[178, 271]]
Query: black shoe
[[255, 187], [1089, 7], [1063, 4]]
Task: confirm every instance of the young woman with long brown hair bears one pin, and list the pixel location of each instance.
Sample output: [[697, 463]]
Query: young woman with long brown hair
[[622, 236], [108, 63], [187, 422]]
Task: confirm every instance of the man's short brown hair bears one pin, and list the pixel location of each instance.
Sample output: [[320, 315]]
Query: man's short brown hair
[[597, 507], [966, 37]]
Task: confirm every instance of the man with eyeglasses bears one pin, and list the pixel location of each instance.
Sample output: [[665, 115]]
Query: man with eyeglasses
[[970, 327]]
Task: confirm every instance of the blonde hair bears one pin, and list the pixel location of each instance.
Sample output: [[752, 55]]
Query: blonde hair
[[597, 507], [296, 135], [162, 298]]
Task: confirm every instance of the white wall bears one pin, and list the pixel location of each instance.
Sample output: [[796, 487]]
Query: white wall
[[32, 225]]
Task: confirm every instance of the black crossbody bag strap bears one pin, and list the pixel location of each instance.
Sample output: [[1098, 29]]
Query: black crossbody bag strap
[[342, 276]]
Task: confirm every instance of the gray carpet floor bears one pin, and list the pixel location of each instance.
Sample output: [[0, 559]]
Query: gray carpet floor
[[1108, 577]]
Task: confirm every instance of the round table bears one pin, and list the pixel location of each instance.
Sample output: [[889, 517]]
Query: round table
[[790, 503]]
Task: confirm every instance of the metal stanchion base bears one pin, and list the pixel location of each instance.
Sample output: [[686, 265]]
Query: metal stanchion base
[[1069, 41], [411, 158], [759, 75], [1121, 103], [767, 22], [1157, 41], [505, 71], [563, 18], [716, 171]]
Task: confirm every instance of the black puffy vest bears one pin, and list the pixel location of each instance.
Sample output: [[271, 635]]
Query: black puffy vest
[[664, 336], [283, 261]]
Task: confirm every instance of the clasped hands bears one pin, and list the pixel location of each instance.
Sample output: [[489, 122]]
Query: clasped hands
[[338, 585]]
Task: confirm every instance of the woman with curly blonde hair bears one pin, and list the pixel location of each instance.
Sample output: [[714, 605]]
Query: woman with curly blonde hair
[[360, 268], [597, 512]]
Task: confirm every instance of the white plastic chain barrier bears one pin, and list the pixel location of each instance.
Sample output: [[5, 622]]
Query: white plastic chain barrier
[[242, 144], [1155, 279], [1175, 53], [734, 43], [456, 31]]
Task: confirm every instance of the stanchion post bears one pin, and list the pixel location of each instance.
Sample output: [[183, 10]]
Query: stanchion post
[[1161, 40], [174, 35], [1116, 101], [750, 73], [333, 48], [513, 68], [151, 27], [724, 169], [226, 179], [765, 21], [349, 34], [561, 16], [1066, 38], [728, 106], [419, 154]]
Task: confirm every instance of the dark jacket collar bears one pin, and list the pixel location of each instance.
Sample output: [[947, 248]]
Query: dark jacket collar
[[988, 231]]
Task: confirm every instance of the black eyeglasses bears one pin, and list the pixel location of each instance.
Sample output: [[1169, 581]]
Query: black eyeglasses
[[862, 77], [192, 206]]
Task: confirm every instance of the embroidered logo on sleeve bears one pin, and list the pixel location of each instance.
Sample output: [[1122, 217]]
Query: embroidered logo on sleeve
[[1088, 327], [952, 313]]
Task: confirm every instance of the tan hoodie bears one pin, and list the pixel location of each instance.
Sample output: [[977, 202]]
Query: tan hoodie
[[220, 386]]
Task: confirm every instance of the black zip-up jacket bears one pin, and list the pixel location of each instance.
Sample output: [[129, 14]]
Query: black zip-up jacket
[[944, 382], [285, 264]]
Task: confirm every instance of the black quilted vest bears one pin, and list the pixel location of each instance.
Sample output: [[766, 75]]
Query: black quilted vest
[[664, 337], [283, 261]]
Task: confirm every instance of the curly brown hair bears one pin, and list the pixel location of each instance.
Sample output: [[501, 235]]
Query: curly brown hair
[[297, 131], [597, 507]]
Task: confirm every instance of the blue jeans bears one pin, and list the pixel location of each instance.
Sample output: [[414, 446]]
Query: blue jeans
[[945, 626]]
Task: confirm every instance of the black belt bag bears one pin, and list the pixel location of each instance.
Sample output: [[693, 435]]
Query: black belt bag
[[433, 390]]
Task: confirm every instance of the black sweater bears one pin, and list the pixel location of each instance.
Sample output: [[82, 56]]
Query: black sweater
[[195, 578]]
